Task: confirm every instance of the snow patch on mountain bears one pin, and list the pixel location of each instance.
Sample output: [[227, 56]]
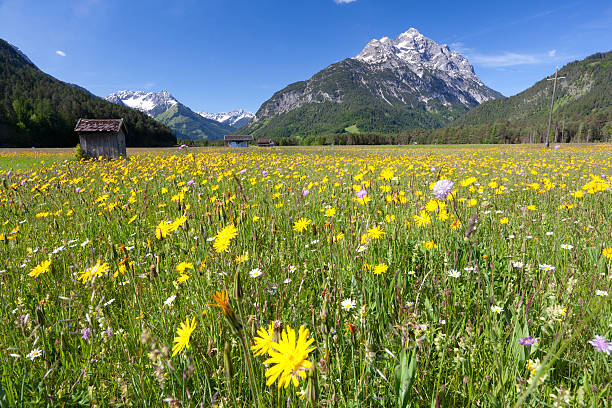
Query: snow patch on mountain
[[236, 118], [418, 52], [151, 103]]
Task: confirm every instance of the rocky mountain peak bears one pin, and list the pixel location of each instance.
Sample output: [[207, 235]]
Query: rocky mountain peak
[[417, 52]]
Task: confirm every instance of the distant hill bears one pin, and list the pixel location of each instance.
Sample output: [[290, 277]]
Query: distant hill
[[39, 110], [582, 109], [392, 85], [189, 125]]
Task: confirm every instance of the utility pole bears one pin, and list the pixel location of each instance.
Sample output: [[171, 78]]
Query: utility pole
[[552, 103]]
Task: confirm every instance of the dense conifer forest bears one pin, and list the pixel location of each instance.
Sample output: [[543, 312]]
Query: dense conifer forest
[[39, 110]]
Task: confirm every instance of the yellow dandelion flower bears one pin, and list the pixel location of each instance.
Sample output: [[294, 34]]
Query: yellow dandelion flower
[[183, 334], [97, 270], [422, 219], [163, 229], [264, 341], [289, 358], [375, 232], [184, 277], [380, 268], [183, 265], [386, 174], [468, 181], [242, 258], [41, 268], [301, 224]]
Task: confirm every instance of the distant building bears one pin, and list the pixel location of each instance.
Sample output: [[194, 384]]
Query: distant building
[[265, 143], [237, 140], [102, 137]]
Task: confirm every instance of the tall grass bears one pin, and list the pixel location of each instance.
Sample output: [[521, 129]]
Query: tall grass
[[424, 333]]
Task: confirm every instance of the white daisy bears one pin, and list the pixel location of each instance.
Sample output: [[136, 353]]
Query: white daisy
[[497, 309], [34, 353], [453, 273], [255, 273], [170, 300], [347, 304]]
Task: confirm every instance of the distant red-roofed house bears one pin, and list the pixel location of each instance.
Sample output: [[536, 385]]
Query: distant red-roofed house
[[102, 137], [265, 143]]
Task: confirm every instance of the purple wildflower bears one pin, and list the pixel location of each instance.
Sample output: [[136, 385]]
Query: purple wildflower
[[557, 147], [242, 171], [191, 182], [78, 189], [264, 173], [86, 333], [527, 341], [109, 332], [442, 189], [305, 192], [361, 193], [601, 344]]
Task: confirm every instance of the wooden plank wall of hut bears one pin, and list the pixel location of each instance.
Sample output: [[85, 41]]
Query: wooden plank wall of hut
[[101, 144]]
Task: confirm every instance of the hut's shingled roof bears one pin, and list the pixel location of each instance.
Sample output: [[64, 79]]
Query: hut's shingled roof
[[99, 125]]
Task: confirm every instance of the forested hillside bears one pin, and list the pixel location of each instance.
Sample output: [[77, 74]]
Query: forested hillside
[[582, 110], [39, 110]]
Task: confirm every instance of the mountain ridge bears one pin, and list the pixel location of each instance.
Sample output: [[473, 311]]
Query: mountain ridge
[[390, 86], [182, 120], [236, 118]]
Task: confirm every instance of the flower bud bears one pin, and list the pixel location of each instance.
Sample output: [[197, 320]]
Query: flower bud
[[228, 367]]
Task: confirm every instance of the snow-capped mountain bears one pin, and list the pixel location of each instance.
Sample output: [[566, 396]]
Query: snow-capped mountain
[[184, 123], [236, 118], [151, 103], [420, 54], [390, 86]]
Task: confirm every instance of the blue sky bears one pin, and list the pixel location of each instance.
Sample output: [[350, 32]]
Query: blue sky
[[224, 54]]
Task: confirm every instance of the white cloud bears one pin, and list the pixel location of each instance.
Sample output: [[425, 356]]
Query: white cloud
[[507, 59], [60, 53], [344, 1], [552, 53]]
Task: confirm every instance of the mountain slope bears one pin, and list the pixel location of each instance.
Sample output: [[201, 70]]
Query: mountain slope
[[391, 86], [162, 106], [236, 118], [189, 125], [586, 91], [151, 103], [39, 110]]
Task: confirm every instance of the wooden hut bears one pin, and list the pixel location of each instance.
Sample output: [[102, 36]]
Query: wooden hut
[[237, 140], [265, 143], [102, 137]]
